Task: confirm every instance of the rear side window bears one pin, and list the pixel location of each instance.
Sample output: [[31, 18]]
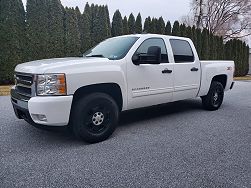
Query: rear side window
[[154, 42], [182, 51]]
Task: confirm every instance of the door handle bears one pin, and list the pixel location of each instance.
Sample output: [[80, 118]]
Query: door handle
[[194, 69], [167, 71]]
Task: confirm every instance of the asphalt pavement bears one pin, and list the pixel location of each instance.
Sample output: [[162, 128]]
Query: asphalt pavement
[[173, 145]]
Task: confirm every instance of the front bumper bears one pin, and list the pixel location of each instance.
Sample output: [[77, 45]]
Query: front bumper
[[54, 109]]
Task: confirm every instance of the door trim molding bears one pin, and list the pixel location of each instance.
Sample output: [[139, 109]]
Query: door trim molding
[[150, 92]]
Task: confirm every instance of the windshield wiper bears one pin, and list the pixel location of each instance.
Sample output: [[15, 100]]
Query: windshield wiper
[[98, 55]]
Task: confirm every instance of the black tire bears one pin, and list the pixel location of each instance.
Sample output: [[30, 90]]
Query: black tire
[[214, 99], [94, 117]]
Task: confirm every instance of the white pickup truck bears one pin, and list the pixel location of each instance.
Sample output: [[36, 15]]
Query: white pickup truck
[[88, 93]]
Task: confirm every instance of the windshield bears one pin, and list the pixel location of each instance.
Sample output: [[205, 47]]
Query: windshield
[[113, 48]]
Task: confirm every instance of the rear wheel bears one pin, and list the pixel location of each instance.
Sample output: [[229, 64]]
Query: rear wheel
[[94, 117], [213, 100]]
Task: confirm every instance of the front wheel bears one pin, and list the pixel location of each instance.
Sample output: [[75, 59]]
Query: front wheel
[[213, 100], [94, 117]]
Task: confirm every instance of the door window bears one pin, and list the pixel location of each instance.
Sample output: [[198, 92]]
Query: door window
[[143, 49], [182, 51]]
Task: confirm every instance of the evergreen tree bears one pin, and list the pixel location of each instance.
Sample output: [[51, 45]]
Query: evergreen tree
[[131, 24], [160, 27], [212, 52], [90, 10], [153, 27], [45, 29], [223, 49], [55, 29], [95, 27], [12, 29], [176, 29], [103, 26], [79, 15], [226, 51], [72, 42], [168, 29], [125, 26], [88, 15], [194, 36], [147, 25], [94, 11], [108, 21], [205, 45], [85, 32], [220, 49], [80, 25], [237, 50], [87, 10], [243, 57], [216, 47], [117, 24], [37, 29], [100, 29], [199, 42], [189, 33], [240, 56], [138, 24], [183, 30]]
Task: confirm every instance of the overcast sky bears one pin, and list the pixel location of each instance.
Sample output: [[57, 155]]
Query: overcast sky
[[169, 9]]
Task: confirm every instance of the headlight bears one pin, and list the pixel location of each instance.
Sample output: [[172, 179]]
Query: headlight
[[51, 84]]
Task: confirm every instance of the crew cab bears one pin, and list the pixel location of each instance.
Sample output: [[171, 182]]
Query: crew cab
[[122, 73]]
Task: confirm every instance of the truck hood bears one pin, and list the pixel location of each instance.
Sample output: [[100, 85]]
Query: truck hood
[[59, 65]]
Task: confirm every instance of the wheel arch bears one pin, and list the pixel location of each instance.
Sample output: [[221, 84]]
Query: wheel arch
[[112, 89], [222, 78]]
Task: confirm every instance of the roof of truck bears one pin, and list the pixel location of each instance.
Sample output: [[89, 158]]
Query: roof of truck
[[147, 35]]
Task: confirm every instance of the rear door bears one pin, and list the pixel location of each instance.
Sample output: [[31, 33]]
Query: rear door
[[187, 70], [150, 84]]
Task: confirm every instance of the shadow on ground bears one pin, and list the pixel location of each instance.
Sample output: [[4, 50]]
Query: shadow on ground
[[138, 115], [126, 118]]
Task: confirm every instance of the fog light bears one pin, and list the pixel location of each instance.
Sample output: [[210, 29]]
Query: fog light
[[39, 117]]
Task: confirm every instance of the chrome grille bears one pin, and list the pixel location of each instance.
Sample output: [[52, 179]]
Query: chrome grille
[[24, 84]]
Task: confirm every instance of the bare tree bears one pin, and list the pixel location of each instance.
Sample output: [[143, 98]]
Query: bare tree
[[227, 18]]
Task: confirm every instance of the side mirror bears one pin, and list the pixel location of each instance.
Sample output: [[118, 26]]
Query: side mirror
[[153, 56], [136, 59]]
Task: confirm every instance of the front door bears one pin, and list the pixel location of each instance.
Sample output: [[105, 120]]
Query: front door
[[150, 84]]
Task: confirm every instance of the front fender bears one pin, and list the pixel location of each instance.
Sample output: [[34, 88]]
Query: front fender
[[97, 75]]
